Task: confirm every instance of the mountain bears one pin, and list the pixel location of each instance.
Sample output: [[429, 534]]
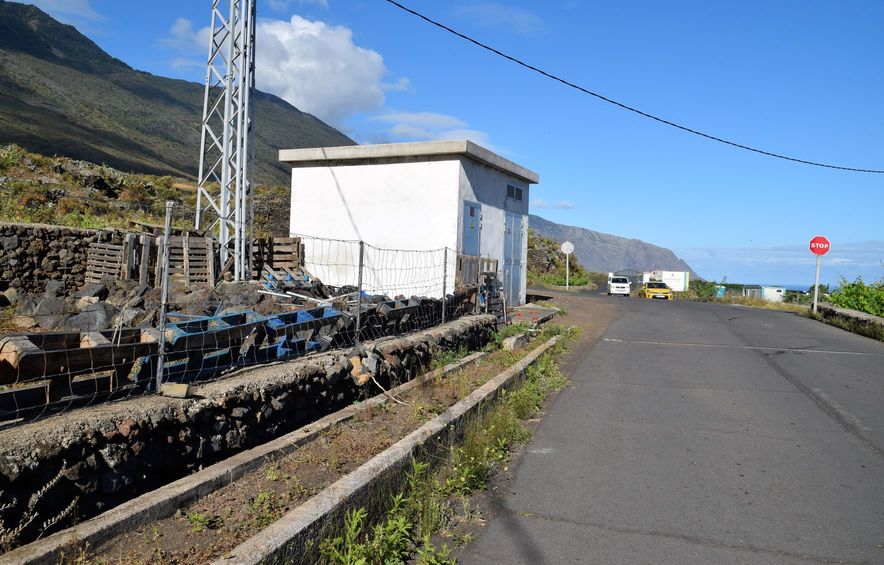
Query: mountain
[[61, 94], [602, 252]]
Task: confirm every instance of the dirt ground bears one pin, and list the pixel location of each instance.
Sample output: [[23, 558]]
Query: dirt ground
[[217, 523]]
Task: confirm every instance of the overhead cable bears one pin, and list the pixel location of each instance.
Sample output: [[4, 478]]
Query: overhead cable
[[625, 106]]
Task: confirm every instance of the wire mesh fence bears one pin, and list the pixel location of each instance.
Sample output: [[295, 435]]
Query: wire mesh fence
[[124, 341]]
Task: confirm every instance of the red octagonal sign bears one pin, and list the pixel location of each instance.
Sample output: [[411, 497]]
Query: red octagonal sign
[[819, 245]]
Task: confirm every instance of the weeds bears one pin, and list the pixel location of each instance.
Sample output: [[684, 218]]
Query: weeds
[[446, 357], [423, 508], [264, 510], [200, 522]]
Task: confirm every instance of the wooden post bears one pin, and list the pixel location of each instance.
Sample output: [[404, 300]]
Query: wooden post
[[144, 267], [185, 257], [210, 260]]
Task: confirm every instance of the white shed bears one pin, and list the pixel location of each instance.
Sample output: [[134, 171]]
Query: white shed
[[413, 196]]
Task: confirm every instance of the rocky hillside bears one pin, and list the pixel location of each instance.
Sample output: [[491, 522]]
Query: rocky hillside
[[61, 94], [602, 252], [546, 264], [35, 188]]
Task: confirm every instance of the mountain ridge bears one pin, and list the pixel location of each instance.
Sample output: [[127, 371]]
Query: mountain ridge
[[602, 252], [60, 93]]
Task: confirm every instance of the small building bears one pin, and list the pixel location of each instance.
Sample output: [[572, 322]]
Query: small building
[[762, 292], [676, 280], [412, 196]]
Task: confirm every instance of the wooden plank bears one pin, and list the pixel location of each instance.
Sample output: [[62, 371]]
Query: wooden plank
[[38, 365], [144, 266], [185, 248], [210, 256]]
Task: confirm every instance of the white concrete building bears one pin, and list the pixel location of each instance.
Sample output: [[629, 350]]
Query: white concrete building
[[410, 196], [765, 292], [676, 280]]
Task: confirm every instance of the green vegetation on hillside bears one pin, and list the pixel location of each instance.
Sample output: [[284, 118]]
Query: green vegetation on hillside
[[858, 295], [546, 263], [61, 191], [61, 94]]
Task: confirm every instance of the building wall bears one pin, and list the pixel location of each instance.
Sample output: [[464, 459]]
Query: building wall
[[385, 205], [410, 207], [773, 293], [676, 280], [487, 186]]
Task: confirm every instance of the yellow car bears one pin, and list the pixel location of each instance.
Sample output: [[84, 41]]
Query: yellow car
[[655, 289]]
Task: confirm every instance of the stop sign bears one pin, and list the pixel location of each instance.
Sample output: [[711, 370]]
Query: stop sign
[[819, 245]]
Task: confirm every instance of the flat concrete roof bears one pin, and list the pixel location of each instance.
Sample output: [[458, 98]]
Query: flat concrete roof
[[404, 152]]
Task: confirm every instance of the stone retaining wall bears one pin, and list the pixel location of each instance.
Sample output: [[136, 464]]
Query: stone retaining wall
[[852, 320], [108, 454], [31, 254]]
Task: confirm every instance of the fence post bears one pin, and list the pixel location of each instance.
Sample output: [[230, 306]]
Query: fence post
[[359, 292], [164, 296], [444, 277]]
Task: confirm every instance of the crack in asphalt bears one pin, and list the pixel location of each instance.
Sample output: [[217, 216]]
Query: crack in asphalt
[[750, 347], [847, 421], [696, 540]]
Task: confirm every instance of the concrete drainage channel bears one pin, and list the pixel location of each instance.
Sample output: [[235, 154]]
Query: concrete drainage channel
[[293, 538], [167, 500]]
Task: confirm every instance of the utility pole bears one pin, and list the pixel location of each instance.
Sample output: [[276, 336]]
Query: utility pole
[[224, 193]]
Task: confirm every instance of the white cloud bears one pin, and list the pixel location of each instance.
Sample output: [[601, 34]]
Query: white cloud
[[65, 9], [789, 263], [429, 126], [561, 204], [310, 64], [402, 84], [422, 119], [517, 20], [318, 68]]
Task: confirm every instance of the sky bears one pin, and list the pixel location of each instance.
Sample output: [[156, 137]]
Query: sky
[[797, 77]]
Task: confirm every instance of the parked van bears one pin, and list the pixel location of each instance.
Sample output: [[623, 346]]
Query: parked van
[[618, 285]]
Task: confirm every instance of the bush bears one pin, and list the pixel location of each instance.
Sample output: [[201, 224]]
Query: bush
[[859, 296]]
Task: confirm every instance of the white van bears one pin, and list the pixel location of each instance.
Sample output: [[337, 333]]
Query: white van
[[618, 285]]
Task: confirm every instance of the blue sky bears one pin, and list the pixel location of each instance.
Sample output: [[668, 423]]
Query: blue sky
[[799, 77]]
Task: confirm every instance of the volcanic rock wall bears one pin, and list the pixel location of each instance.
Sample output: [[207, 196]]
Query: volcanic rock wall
[[31, 254], [105, 455]]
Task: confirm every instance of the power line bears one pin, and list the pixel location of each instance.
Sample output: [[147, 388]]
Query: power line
[[622, 105]]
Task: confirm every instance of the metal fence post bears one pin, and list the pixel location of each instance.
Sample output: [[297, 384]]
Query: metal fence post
[[164, 297], [359, 291], [444, 277]]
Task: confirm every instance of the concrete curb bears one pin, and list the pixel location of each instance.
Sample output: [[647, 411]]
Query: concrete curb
[[293, 538], [166, 500]]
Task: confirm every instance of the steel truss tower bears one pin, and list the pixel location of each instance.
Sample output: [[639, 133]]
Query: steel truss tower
[[224, 195]]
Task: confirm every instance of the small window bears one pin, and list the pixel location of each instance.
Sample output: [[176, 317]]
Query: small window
[[514, 192], [472, 212]]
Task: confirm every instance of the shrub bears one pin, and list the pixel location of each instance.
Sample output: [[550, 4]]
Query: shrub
[[857, 295]]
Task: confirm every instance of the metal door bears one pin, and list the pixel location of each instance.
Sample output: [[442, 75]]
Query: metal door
[[512, 257], [472, 228]]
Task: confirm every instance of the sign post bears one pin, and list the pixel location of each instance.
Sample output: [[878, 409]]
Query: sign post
[[819, 246], [567, 249]]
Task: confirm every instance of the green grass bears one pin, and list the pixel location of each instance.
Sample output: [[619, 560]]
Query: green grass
[[424, 508]]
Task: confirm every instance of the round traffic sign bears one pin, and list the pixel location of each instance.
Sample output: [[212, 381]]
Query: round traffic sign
[[820, 245], [567, 248]]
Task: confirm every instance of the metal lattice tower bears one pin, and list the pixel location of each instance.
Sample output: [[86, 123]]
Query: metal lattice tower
[[224, 196]]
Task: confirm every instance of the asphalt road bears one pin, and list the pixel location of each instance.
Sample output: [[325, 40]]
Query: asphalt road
[[700, 433]]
